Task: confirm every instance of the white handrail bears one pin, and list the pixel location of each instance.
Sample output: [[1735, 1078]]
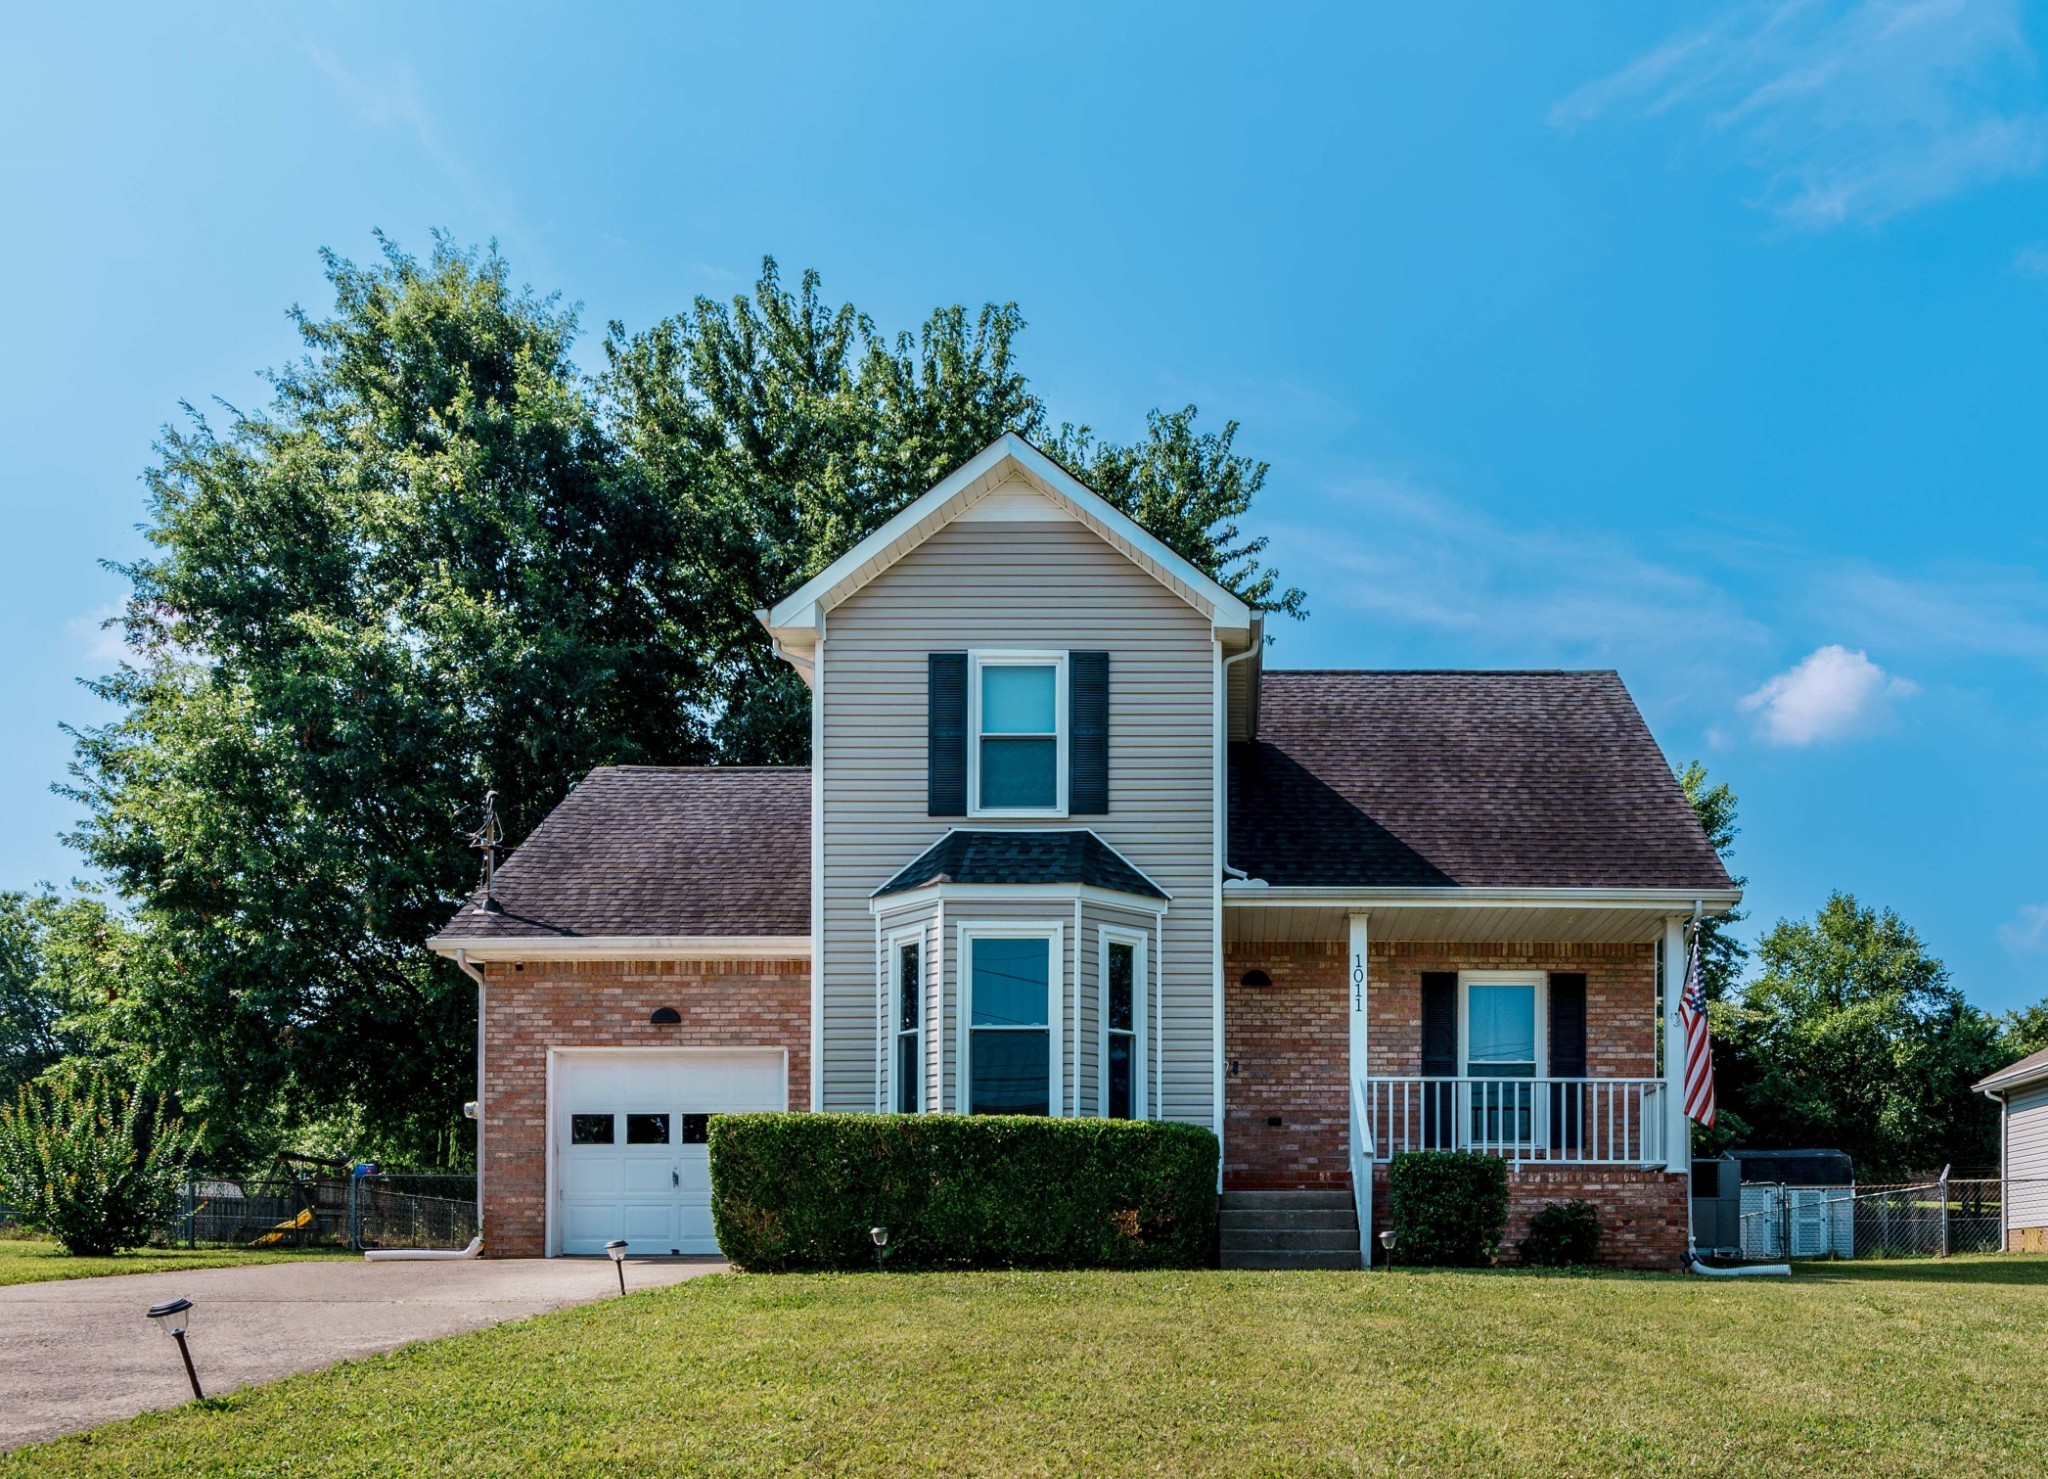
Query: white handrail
[[1361, 1173], [1559, 1121]]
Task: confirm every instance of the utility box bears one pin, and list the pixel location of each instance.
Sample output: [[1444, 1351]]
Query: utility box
[[1717, 1207]]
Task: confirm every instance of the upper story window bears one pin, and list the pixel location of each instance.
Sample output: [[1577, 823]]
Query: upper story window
[[1018, 721]]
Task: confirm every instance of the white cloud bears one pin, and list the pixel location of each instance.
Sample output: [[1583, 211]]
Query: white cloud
[[2026, 933], [99, 636], [2032, 260], [1830, 694], [1852, 110]]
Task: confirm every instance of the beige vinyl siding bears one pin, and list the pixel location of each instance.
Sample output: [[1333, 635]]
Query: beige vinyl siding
[[2026, 1158], [1050, 585]]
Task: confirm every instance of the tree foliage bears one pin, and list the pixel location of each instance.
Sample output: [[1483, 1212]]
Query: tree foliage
[[1854, 1038], [441, 560], [1722, 955], [91, 1162]]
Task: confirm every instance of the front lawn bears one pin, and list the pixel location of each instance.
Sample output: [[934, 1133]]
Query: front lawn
[[1869, 1368], [32, 1260]]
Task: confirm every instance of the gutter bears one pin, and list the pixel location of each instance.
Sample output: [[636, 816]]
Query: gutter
[[1708, 901]]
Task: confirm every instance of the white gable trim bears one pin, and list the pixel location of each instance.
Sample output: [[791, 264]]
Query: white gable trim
[[797, 614]]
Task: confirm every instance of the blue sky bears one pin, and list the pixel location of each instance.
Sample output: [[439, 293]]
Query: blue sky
[[1704, 342]]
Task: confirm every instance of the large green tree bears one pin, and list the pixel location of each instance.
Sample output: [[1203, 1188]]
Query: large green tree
[[1722, 955], [440, 559], [1853, 1037]]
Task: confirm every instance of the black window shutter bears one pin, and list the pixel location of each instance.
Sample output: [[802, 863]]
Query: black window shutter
[[1439, 1024], [1088, 733], [1567, 1024], [1439, 1057], [1567, 1058], [946, 734]]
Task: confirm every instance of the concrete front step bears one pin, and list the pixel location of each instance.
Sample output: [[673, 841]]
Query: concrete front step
[[1232, 1220], [1246, 1201], [1294, 1239], [1272, 1259]]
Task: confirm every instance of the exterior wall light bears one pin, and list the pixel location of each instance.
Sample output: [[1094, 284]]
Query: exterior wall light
[[615, 1250], [666, 1017], [172, 1317]]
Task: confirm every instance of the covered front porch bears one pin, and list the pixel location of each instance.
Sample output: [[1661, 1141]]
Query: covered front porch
[[1528, 1026]]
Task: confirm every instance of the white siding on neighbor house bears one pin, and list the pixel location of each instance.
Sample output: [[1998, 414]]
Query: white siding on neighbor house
[[2026, 1158], [1046, 584]]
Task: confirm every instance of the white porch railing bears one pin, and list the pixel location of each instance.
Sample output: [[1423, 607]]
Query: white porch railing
[[1559, 1121]]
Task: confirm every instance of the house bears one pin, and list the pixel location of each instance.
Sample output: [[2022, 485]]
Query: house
[[1065, 847], [2021, 1090]]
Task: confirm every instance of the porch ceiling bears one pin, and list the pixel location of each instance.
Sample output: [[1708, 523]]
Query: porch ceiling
[[1310, 924]]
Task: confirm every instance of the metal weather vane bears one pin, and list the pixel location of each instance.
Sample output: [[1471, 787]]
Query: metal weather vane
[[487, 839]]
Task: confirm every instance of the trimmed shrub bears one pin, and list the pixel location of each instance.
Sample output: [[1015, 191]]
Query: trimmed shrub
[[1563, 1235], [91, 1165], [1450, 1207], [801, 1191]]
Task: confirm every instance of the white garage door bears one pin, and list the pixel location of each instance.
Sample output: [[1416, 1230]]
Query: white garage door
[[630, 1158]]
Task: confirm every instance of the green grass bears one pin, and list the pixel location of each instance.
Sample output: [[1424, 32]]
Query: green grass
[[1891, 1368], [33, 1261]]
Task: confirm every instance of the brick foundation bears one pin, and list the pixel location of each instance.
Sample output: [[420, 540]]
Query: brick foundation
[[1645, 1217], [606, 1004], [1287, 1049]]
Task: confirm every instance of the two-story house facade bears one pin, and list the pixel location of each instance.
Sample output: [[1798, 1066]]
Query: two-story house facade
[[1064, 848]]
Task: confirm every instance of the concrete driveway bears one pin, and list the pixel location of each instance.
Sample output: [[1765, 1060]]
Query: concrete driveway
[[79, 1352]]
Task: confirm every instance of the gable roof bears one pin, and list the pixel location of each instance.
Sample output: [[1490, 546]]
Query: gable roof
[[641, 851], [794, 619], [2014, 1075], [1474, 779], [1066, 855]]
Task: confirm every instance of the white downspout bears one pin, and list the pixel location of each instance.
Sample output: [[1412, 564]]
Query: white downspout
[[476, 1244]]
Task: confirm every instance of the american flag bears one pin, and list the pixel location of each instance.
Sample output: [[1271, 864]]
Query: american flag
[[1699, 1042]]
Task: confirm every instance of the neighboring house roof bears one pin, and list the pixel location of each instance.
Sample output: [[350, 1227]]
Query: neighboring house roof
[[1069, 855], [1476, 779], [794, 620], [2032, 1068], [640, 851]]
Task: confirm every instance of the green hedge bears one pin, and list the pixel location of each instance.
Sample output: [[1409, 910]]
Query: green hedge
[[801, 1191], [1450, 1207]]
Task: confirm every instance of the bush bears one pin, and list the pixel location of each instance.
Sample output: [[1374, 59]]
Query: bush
[[90, 1165], [801, 1191], [1563, 1235], [1450, 1207]]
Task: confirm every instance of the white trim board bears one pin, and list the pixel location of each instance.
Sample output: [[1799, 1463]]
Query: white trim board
[[627, 947]]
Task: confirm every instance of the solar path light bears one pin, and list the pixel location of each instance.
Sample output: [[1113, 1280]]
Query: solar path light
[[616, 1251], [172, 1317], [881, 1240]]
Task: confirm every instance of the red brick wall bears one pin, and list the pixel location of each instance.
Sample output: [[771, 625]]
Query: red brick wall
[[606, 1004], [1286, 1048]]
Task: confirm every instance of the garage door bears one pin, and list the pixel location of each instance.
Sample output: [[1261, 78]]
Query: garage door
[[630, 1158]]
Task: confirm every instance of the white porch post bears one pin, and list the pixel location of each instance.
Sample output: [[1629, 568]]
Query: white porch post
[[1677, 1130], [1355, 1071]]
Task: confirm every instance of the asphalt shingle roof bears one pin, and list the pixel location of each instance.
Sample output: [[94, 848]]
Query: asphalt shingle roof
[[642, 851], [1518, 779], [1067, 855]]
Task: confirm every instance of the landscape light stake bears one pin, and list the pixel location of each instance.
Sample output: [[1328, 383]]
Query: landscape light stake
[[616, 1251], [172, 1316], [881, 1239]]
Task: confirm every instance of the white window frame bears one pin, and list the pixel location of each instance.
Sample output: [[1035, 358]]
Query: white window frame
[[979, 658], [913, 935], [1539, 979], [1054, 933], [1140, 944]]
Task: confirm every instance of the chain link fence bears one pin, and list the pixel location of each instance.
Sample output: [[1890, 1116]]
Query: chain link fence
[[395, 1210], [1927, 1219]]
